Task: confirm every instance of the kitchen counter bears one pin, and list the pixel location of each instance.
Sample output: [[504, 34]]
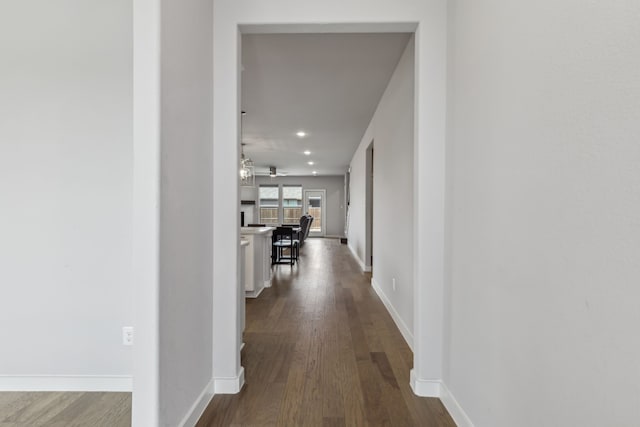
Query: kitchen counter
[[255, 230]]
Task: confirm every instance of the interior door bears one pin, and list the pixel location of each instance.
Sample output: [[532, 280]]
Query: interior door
[[315, 205]]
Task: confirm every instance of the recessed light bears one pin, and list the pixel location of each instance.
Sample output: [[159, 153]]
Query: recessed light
[[307, 153], [314, 172], [301, 134], [310, 163]]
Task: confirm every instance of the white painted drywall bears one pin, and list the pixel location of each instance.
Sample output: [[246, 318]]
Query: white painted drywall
[[66, 186], [544, 137], [186, 207], [391, 129], [357, 227], [334, 185], [429, 16]]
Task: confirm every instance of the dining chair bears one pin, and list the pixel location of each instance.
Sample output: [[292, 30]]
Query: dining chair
[[283, 238]]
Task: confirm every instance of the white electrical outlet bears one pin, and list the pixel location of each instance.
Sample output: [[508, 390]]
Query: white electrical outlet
[[127, 335], [393, 283]]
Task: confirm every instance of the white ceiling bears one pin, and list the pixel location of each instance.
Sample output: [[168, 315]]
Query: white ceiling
[[327, 85]]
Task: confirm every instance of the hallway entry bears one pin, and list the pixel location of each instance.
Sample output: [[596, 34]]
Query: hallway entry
[[321, 350]]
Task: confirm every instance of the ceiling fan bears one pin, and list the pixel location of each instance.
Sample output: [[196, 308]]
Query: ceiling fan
[[272, 172]]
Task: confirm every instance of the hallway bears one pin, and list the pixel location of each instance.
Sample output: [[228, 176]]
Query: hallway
[[321, 350]]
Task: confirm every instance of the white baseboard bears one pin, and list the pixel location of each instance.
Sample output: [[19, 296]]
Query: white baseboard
[[253, 294], [365, 268], [424, 388], [116, 383], [436, 388], [198, 407], [455, 410], [404, 330], [229, 385]]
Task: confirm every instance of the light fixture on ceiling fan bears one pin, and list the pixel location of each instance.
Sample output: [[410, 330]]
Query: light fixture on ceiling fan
[[271, 172], [247, 175]]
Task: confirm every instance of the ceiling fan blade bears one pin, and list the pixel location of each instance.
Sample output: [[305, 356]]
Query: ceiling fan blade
[[267, 172]]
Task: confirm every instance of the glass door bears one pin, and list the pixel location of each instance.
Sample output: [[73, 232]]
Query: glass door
[[314, 205]]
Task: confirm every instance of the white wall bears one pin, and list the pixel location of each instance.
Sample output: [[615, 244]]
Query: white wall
[[357, 227], [545, 156], [186, 209], [334, 186], [391, 130], [66, 185]]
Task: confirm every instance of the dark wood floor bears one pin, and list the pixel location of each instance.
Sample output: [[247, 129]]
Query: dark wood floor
[[321, 350]]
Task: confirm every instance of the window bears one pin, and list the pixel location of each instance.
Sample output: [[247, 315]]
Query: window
[[291, 204], [269, 203]]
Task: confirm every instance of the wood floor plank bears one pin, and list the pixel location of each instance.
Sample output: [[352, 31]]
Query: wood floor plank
[[65, 409], [333, 401], [321, 350], [333, 422], [46, 407], [291, 406], [353, 397], [358, 338], [260, 406], [392, 396], [374, 407]]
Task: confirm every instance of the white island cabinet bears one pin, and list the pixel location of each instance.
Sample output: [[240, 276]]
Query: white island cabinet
[[244, 243], [257, 271]]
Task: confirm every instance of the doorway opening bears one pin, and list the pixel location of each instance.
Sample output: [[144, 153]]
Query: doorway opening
[[279, 138], [314, 205], [429, 175]]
